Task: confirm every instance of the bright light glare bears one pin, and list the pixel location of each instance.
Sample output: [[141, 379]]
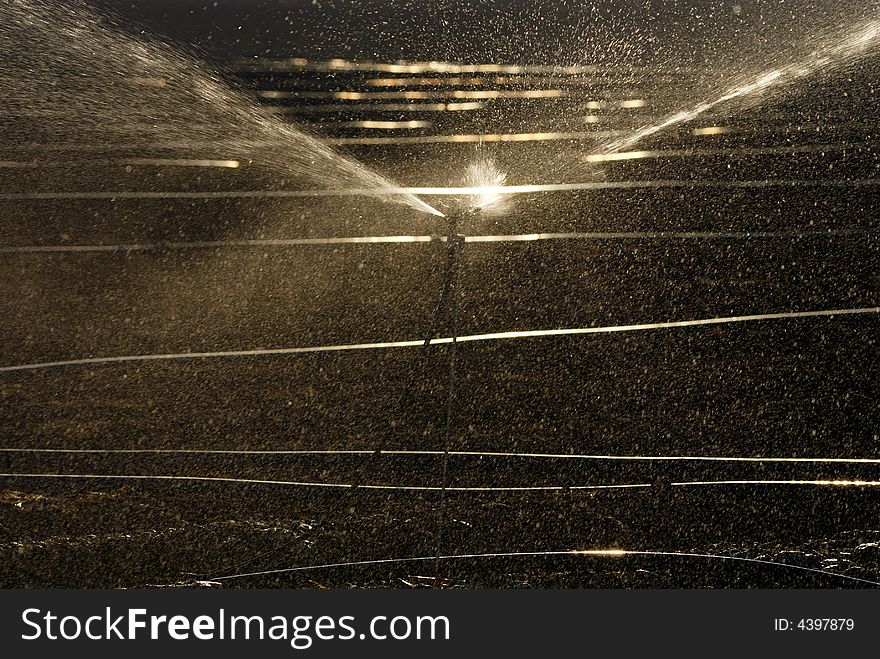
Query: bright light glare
[[487, 181]]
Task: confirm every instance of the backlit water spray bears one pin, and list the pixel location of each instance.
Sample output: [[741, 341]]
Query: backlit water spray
[[487, 182], [842, 47], [70, 80], [838, 48]]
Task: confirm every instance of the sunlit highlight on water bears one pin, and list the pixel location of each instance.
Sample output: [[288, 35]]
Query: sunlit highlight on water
[[486, 181], [837, 51]]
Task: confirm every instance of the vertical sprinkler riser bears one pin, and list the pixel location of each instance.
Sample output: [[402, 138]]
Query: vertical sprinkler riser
[[455, 243]]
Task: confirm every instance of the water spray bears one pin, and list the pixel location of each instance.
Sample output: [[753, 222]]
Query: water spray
[[840, 48], [102, 100]]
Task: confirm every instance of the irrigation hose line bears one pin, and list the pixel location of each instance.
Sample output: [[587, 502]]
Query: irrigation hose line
[[236, 163], [473, 454], [573, 553], [498, 336], [855, 232], [437, 488], [441, 192]]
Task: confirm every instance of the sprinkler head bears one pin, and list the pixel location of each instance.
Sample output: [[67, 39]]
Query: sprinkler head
[[460, 214]]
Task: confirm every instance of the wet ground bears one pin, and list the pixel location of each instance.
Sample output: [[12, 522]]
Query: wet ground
[[767, 212]]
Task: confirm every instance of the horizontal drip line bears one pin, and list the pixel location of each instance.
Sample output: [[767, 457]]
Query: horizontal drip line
[[374, 240], [498, 336], [179, 162], [387, 125], [457, 95], [336, 486], [549, 136], [570, 553], [477, 138], [297, 63], [154, 141], [738, 151], [594, 158], [437, 488], [373, 107], [446, 191], [213, 244], [667, 235], [470, 454], [484, 82], [135, 162], [818, 483], [639, 185], [519, 80], [707, 131]]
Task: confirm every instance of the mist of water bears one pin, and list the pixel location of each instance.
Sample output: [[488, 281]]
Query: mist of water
[[487, 181], [797, 63], [836, 50], [69, 77]]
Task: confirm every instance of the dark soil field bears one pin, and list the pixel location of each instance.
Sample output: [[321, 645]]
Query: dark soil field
[[737, 453]]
